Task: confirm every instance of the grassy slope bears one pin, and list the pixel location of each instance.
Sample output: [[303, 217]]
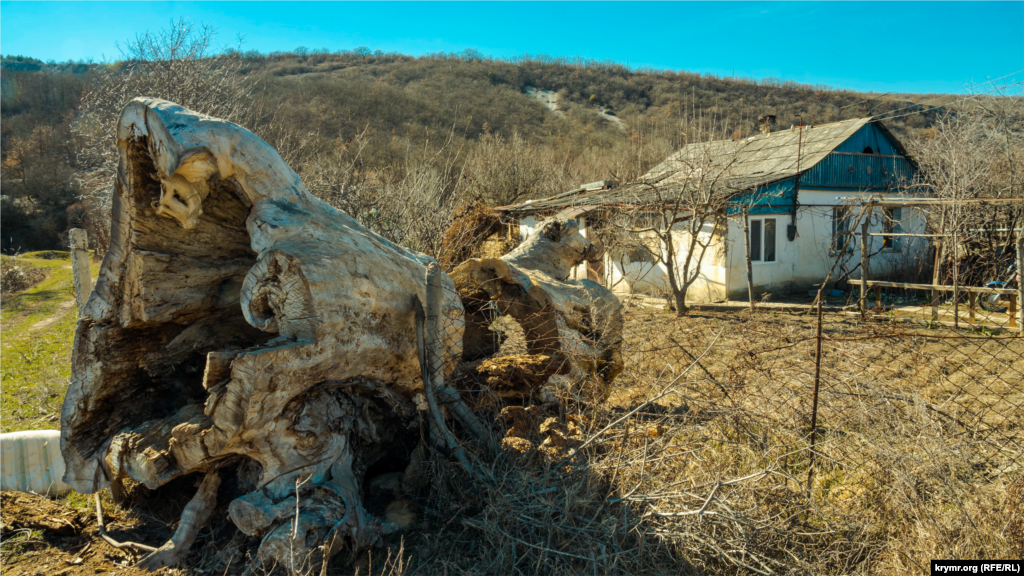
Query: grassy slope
[[37, 328]]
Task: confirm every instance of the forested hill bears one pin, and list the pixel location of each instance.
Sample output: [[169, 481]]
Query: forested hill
[[528, 127], [394, 92]]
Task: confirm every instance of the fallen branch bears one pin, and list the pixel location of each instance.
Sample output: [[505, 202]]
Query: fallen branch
[[108, 539]]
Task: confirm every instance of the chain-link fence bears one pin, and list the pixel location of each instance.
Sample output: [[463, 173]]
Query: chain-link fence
[[703, 456], [863, 447]]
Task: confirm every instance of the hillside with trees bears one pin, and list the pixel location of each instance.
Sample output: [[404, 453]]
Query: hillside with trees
[[396, 140]]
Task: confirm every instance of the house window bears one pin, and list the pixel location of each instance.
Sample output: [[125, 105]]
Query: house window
[[892, 224], [762, 240], [841, 229]]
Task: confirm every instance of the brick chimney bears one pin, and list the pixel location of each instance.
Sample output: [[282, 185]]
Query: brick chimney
[[767, 124]]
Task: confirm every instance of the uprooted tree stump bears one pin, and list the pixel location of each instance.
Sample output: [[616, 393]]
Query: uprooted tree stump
[[573, 328], [242, 328]]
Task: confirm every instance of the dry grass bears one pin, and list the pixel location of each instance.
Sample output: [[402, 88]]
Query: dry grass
[[697, 462]]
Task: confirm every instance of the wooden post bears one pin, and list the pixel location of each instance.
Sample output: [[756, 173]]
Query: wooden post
[[864, 262], [878, 297], [80, 266], [814, 399], [939, 245], [1020, 281], [938, 261], [1012, 311], [956, 302], [956, 286], [972, 301], [750, 267]]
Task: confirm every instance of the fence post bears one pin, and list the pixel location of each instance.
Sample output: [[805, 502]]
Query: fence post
[[80, 266], [750, 267], [939, 246], [956, 299], [814, 400], [1020, 282], [864, 262]]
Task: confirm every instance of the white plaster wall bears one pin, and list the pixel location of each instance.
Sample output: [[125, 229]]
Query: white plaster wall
[[652, 279], [799, 264], [807, 259]]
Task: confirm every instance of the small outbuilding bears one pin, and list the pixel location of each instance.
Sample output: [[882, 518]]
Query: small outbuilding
[[797, 191]]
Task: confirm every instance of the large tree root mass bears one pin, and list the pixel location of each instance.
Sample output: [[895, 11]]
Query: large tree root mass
[[242, 329]]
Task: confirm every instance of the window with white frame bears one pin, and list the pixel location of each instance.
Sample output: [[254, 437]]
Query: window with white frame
[[762, 239]]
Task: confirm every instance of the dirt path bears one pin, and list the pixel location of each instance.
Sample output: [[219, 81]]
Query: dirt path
[[62, 310], [38, 330]]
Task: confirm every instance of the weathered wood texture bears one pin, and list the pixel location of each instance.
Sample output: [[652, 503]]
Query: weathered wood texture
[[236, 315], [241, 327], [79, 240], [577, 323]]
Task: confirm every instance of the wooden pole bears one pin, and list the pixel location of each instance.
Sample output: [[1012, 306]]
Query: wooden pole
[[956, 287], [864, 262], [936, 271], [814, 399], [956, 302], [1020, 281], [750, 267], [80, 266]]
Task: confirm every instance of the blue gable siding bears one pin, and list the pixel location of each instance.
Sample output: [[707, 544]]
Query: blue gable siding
[[849, 170], [847, 167], [871, 136], [776, 198]]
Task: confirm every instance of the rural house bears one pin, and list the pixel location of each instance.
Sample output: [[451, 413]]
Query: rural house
[[800, 189]]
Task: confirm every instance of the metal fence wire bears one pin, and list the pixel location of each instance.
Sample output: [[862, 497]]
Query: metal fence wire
[[783, 441]]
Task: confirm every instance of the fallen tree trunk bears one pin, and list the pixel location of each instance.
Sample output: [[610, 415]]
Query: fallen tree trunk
[[236, 315], [243, 329], [573, 328]]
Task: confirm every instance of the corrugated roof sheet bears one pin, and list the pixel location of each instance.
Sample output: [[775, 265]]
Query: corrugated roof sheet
[[733, 166]]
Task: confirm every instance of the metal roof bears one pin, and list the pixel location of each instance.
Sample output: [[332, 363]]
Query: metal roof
[[733, 165]]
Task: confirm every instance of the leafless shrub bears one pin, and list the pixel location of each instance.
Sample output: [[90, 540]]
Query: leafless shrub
[[409, 202], [972, 152], [16, 276], [504, 171], [177, 63]]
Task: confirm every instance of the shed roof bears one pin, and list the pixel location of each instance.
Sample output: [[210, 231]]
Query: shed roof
[[737, 166]]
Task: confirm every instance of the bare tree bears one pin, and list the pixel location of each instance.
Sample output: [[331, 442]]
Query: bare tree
[[956, 164], [684, 209], [179, 64], [409, 202]]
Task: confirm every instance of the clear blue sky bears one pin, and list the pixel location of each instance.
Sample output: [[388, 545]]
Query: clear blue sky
[[876, 46]]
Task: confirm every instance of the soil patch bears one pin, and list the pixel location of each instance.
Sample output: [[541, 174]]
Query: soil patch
[[42, 536]]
